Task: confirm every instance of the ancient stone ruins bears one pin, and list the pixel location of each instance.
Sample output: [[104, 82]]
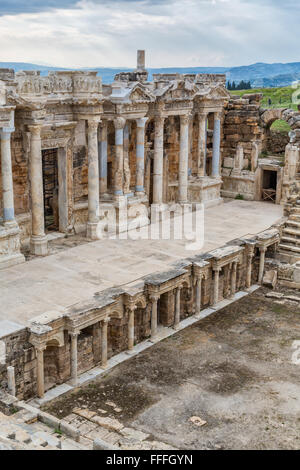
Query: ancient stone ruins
[[73, 150]]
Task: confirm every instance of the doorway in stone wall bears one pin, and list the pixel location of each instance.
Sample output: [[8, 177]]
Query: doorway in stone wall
[[50, 188], [269, 186]]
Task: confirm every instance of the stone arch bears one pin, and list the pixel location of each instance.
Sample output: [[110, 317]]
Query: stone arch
[[270, 116]]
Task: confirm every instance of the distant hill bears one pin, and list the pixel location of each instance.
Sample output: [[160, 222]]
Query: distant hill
[[260, 74]]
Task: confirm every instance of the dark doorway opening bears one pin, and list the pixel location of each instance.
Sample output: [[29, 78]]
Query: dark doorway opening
[[50, 187], [269, 185]]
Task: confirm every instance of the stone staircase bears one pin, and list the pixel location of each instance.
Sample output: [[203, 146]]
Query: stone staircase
[[289, 247], [23, 431]]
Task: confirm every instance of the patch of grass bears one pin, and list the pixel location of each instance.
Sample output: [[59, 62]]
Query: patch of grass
[[57, 431], [240, 197], [281, 126], [272, 97]]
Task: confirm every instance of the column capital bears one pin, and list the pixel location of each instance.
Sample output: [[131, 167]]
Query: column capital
[[203, 114], [159, 120], [74, 334], [141, 122], [262, 249], [106, 320], [40, 347], [185, 118], [119, 122], [217, 268], [6, 130], [35, 129], [218, 114], [154, 297], [93, 124]]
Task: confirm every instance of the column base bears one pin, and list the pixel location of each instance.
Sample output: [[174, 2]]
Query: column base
[[39, 245], [10, 245], [92, 231]]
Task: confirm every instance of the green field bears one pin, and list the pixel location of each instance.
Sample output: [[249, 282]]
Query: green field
[[274, 98]]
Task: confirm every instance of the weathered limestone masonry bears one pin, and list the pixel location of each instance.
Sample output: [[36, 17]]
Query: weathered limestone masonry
[[74, 151], [58, 346], [246, 172]]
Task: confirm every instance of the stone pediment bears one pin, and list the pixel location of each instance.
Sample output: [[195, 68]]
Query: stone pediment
[[140, 95], [180, 90], [217, 93]]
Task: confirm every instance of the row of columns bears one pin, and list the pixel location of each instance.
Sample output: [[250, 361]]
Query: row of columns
[[154, 318], [184, 154]]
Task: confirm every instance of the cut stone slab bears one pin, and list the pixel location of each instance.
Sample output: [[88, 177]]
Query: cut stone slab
[[131, 433], [84, 413], [108, 423]]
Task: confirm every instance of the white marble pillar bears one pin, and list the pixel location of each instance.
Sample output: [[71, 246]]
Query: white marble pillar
[[198, 295], [154, 300], [11, 381], [40, 370], [7, 179], [183, 159], [233, 279], [249, 267], [177, 308], [127, 173], [202, 143], [103, 158], [104, 343], [216, 285], [158, 160], [119, 123], [93, 180], [38, 241], [131, 311], [262, 250], [216, 146], [74, 357], [140, 156]]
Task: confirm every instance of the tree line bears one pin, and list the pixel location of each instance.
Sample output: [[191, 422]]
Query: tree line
[[239, 86]]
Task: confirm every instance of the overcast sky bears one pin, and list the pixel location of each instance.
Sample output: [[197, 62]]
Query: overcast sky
[[87, 33]]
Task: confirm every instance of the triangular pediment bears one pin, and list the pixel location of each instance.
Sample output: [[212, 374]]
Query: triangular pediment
[[218, 93], [140, 95], [180, 90]]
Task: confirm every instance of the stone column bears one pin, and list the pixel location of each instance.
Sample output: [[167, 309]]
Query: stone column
[[233, 279], [158, 160], [40, 370], [154, 300], [183, 159], [38, 241], [140, 156], [73, 356], [93, 180], [202, 143], [103, 158], [127, 173], [177, 308], [131, 311], [262, 250], [7, 179], [216, 146], [119, 123], [198, 295], [216, 285], [104, 343], [11, 381], [249, 268]]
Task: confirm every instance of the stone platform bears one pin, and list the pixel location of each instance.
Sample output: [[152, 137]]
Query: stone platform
[[61, 280]]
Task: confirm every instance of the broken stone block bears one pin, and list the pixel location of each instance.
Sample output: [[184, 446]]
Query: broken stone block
[[108, 423]]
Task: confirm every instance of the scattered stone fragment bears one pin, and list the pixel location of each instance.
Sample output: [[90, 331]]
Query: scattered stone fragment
[[108, 423], [197, 421], [84, 413]]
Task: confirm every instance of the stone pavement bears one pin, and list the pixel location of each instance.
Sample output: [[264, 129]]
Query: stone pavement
[[61, 280]]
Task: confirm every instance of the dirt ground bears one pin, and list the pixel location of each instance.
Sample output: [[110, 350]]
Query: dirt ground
[[233, 369]]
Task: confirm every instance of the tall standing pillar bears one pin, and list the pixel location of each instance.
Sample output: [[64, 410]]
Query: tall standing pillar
[[38, 241], [74, 355], [104, 343], [127, 173], [158, 160], [198, 295], [249, 267], [177, 308], [119, 123], [183, 159], [93, 180], [202, 143], [262, 250], [233, 279], [40, 371], [154, 300], [7, 179], [131, 311], [103, 158], [140, 156], [216, 146], [216, 285]]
